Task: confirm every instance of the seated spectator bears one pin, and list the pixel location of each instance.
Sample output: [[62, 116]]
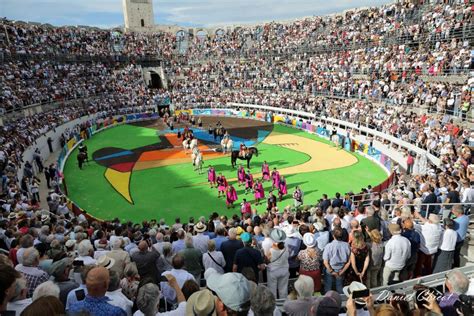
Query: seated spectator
[[148, 298], [201, 303], [456, 284], [60, 272], [8, 278], [327, 305], [262, 302], [47, 288]]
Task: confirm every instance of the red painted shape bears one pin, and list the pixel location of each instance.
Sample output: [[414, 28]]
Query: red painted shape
[[123, 167]]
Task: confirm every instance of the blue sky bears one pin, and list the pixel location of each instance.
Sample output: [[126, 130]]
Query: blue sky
[[108, 13]]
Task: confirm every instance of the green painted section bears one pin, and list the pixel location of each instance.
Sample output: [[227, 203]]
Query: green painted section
[[178, 191]]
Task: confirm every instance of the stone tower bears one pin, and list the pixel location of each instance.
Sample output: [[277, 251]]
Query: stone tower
[[138, 15]]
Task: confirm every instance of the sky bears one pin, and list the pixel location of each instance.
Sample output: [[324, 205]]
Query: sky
[[196, 13]]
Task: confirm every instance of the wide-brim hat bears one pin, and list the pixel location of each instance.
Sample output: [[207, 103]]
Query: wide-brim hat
[[12, 216], [201, 303], [200, 227], [106, 262], [277, 235], [353, 287]]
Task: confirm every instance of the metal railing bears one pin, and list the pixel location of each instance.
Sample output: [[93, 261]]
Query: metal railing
[[441, 209]]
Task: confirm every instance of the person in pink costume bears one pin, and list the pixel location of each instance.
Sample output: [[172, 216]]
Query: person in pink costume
[[265, 171], [275, 179], [221, 185], [259, 192], [241, 175], [231, 196], [282, 189], [248, 182], [211, 176], [245, 208]]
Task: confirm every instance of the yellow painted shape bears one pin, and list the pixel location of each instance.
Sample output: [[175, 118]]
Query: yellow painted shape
[[120, 181]]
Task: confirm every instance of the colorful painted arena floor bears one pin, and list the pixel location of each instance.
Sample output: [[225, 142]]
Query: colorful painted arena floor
[[140, 171]]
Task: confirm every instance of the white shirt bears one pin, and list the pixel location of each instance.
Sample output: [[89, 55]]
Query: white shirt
[[117, 298], [360, 217], [181, 277], [18, 306], [267, 244], [450, 238], [430, 237], [209, 263], [88, 260], [397, 252]]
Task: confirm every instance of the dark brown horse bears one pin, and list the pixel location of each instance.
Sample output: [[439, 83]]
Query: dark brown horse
[[236, 155]]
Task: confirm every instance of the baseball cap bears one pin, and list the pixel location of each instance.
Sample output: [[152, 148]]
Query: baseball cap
[[231, 288]]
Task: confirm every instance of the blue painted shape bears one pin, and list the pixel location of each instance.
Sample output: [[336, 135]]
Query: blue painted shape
[[262, 134], [119, 154]]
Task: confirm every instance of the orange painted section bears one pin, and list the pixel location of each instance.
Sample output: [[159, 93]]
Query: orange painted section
[[174, 140]]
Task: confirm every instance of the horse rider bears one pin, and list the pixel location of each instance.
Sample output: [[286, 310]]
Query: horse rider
[[243, 150]]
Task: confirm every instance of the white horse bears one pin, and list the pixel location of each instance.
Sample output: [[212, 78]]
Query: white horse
[[198, 162], [227, 145], [190, 144]]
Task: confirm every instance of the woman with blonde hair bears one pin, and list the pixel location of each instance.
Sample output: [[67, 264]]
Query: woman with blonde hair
[[359, 258], [376, 251]]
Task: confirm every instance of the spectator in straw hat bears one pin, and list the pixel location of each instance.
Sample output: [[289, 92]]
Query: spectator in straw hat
[[397, 252], [200, 240], [201, 303]]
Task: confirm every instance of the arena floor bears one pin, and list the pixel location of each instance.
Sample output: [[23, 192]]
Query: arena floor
[[140, 171]]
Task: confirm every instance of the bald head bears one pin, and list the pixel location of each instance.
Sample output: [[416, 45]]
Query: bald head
[[97, 281], [143, 246]]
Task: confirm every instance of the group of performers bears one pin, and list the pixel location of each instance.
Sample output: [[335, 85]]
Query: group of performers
[[246, 179]]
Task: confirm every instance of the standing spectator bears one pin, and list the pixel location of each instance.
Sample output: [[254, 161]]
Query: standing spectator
[[60, 271], [30, 271], [444, 258], [46, 305], [178, 245], [310, 259], [430, 238], [95, 303], [293, 244], [8, 280], [120, 256], [146, 261], [277, 267], [359, 259], [213, 259], [180, 275], [461, 225], [415, 240], [336, 261], [200, 240], [248, 257], [397, 252], [376, 259], [220, 238], [229, 248], [192, 258], [85, 250], [114, 293]]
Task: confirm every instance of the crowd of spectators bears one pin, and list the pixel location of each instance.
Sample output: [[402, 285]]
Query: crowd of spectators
[[308, 258]]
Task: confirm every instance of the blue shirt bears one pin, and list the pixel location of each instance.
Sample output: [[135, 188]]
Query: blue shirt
[[461, 225], [96, 306], [219, 240], [337, 253]]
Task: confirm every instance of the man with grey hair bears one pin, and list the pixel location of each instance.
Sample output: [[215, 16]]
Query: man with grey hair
[[121, 257], [47, 288], [229, 249], [192, 259], [60, 271], [30, 271], [26, 241], [85, 252], [263, 303], [114, 293], [304, 287], [430, 239], [148, 297], [456, 283]]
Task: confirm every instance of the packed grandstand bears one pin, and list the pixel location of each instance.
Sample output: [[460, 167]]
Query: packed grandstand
[[403, 70]]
